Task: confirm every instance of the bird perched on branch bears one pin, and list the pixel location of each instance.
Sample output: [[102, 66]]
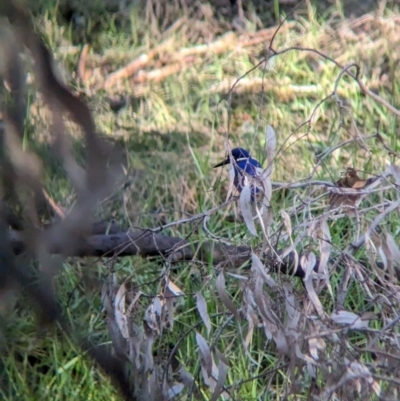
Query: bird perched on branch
[[243, 166]]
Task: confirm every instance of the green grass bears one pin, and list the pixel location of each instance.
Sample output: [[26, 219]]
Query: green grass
[[173, 132]]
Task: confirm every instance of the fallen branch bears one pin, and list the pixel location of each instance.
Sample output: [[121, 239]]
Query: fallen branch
[[143, 243], [134, 66], [108, 240], [260, 84], [81, 70], [159, 74], [146, 243], [185, 57]]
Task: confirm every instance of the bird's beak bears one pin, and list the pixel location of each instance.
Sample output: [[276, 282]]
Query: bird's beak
[[226, 161]]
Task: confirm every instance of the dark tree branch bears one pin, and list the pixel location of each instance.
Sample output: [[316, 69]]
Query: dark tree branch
[[144, 243]]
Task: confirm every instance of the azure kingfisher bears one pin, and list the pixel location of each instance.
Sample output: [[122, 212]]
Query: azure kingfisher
[[243, 164]]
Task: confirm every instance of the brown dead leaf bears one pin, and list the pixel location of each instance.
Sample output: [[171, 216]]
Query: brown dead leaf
[[172, 294], [316, 344], [350, 180]]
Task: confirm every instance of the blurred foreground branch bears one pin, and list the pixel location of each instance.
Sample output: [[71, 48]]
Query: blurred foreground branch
[[22, 187]]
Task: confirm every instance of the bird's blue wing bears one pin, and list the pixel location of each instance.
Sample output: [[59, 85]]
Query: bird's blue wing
[[248, 166]]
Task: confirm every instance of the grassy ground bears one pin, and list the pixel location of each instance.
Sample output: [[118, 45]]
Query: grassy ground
[[173, 129]]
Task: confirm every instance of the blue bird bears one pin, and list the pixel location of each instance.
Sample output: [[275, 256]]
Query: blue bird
[[243, 164]]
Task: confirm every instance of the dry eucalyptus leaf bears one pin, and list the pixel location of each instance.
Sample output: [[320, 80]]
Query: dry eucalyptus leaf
[[395, 171], [223, 294], [268, 319], [222, 373], [314, 298], [174, 289], [324, 245], [120, 311], [281, 343], [202, 309], [383, 256], [308, 262], [189, 382], [148, 361], [245, 205], [292, 309], [221, 356], [349, 318], [261, 270], [251, 316], [205, 354], [287, 223], [357, 370], [153, 316], [174, 391], [314, 345], [394, 249], [172, 294]]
